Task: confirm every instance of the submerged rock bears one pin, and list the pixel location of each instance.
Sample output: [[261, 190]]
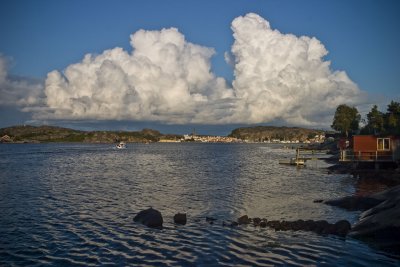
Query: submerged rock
[[340, 228], [150, 217], [244, 220], [210, 220], [230, 223], [180, 218]]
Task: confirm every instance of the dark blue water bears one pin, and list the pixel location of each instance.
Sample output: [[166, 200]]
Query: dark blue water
[[73, 204]]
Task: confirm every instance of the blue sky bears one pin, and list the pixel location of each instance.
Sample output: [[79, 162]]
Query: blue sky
[[362, 37]]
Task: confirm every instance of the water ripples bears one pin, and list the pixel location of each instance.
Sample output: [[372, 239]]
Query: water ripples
[[63, 205]]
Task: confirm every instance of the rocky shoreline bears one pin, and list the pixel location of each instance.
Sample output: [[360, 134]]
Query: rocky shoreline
[[379, 222], [378, 225], [152, 218]]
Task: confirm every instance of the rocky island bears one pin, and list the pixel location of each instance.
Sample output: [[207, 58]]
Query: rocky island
[[39, 134], [44, 134], [271, 133]]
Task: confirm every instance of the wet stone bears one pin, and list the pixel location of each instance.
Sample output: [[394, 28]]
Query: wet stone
[[263, 223], [244, 220], [151, 218], [256, 221], [180, 218]]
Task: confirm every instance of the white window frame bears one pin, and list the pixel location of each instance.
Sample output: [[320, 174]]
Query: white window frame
[[384, 141]]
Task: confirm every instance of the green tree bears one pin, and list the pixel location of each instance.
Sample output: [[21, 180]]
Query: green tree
[[346, 119], [375, 120], [392, 118]]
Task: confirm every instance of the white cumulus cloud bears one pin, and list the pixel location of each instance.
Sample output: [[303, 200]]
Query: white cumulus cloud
[[282, 76], [168, 79], [165, 78]]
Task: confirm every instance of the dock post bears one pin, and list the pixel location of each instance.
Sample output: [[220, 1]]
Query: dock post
[[377, 166]]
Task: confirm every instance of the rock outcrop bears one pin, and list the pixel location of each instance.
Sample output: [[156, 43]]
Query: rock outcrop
[[379, 224], [150, 217]]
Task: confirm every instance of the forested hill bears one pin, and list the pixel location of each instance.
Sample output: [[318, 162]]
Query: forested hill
[[29, 134], [264, 133]]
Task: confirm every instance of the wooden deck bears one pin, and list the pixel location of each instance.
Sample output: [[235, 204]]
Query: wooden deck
[[366, 156], [303, 155]]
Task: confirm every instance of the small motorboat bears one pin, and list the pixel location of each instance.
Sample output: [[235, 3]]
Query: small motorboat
[[121, 145]]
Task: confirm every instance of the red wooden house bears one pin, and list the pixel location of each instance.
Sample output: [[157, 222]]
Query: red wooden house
[[372, 148]]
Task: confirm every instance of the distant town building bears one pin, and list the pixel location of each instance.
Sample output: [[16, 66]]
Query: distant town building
[[5, 139]]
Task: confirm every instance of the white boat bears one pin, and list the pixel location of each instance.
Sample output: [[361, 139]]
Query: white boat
[[121, 145]]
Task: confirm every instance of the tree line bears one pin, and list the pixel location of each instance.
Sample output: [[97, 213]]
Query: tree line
[[347, 120]]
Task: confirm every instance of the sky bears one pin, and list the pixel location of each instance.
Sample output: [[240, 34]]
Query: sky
[[209, 65]]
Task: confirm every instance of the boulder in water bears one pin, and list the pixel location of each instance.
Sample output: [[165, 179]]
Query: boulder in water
[[263, 223], [244, 220], [180, 218], [256, 221], [151, 218]]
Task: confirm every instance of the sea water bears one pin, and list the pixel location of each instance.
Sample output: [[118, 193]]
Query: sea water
[[73, 205]]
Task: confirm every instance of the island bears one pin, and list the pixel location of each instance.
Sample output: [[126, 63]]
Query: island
[[263, 134]]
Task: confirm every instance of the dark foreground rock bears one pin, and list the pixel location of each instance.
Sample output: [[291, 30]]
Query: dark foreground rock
[[180, 218], [150, 217], [244, 220], [379, 224]]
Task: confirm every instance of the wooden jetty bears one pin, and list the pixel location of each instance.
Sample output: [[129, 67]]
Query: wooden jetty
[[303, 155]]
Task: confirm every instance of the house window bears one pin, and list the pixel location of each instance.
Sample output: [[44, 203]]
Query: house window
[[383, 143]]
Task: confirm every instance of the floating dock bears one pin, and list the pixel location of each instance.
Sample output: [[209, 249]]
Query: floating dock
[[303, 155]]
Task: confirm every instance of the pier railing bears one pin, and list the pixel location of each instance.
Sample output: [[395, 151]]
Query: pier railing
[[367, 155], [303, 155]]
